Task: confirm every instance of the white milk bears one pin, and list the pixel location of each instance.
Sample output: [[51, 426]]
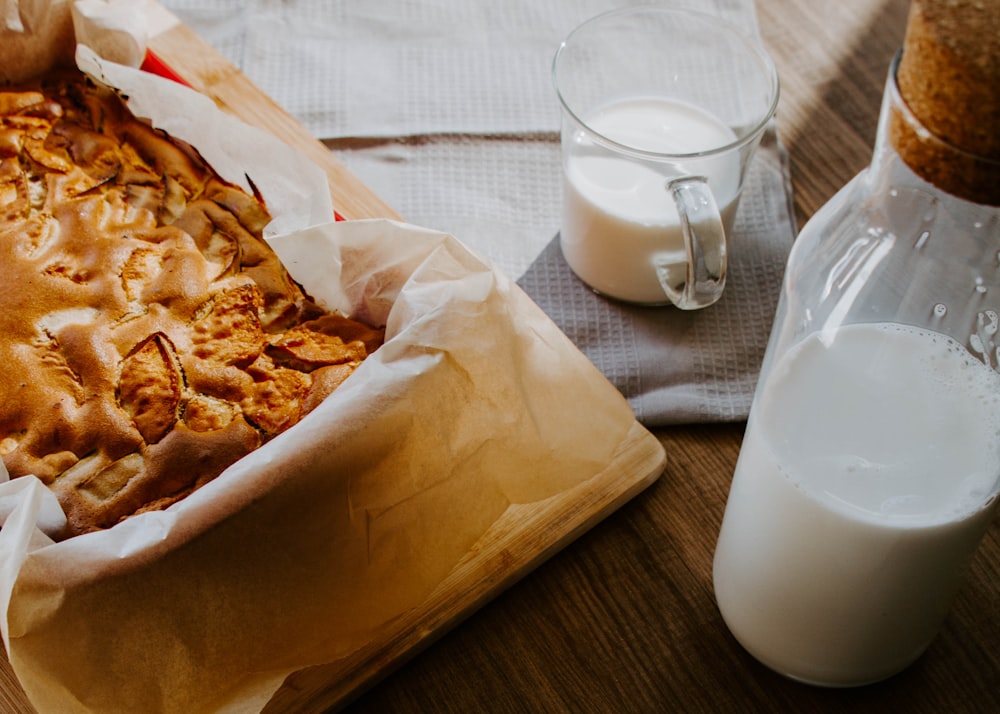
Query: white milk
[[619, 221], [862, 490]]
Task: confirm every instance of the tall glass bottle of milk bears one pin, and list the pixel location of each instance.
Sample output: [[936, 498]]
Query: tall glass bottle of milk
[[870, 464]]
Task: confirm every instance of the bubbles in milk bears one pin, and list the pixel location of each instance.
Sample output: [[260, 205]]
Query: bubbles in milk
[[885, 421]]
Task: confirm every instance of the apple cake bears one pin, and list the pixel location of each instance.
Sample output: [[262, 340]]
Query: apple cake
[[149, 336]]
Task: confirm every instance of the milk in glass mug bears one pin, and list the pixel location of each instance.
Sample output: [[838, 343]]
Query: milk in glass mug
[[662, 111]]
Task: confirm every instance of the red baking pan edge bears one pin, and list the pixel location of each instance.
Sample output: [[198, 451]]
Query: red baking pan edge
[[154, 65]]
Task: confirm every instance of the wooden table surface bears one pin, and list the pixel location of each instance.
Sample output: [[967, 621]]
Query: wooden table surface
[[624, 619]]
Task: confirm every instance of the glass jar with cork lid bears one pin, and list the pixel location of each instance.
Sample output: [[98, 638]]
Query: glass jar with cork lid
[[870, 467]]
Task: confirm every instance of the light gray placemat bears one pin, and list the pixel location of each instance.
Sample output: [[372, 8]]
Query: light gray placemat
[[446, 110]]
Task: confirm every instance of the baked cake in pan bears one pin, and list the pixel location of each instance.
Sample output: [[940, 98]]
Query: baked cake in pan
[[149, 337]]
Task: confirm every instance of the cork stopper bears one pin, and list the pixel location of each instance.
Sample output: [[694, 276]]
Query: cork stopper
[[949, 80]]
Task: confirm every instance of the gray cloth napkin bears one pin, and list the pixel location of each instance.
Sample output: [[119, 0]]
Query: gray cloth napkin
[[445, 109]]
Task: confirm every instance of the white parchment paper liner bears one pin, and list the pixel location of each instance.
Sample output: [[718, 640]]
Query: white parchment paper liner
[[300, 552]]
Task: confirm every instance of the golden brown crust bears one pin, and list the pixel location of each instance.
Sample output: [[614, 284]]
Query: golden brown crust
[[149, 336]]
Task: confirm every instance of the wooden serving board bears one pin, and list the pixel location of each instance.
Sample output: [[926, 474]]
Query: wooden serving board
[[516, 544]]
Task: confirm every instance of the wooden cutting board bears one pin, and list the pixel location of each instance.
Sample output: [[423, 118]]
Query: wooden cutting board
[[517, 543]]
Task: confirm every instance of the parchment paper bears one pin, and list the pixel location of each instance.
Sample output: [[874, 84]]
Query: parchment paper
[[446, 109], [299, 552]]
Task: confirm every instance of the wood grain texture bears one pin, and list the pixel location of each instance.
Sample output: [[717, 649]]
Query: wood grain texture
[[624, 620], [832, 61], [523, 538], [12, 699]]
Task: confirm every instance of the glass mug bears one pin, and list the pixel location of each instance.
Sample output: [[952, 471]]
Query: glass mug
[[662, 111]]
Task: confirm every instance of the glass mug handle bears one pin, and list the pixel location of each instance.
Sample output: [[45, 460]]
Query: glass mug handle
[[698, 281]]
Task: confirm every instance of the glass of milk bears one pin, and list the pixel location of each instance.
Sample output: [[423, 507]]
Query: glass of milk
[[662, 111], [870, 465]]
